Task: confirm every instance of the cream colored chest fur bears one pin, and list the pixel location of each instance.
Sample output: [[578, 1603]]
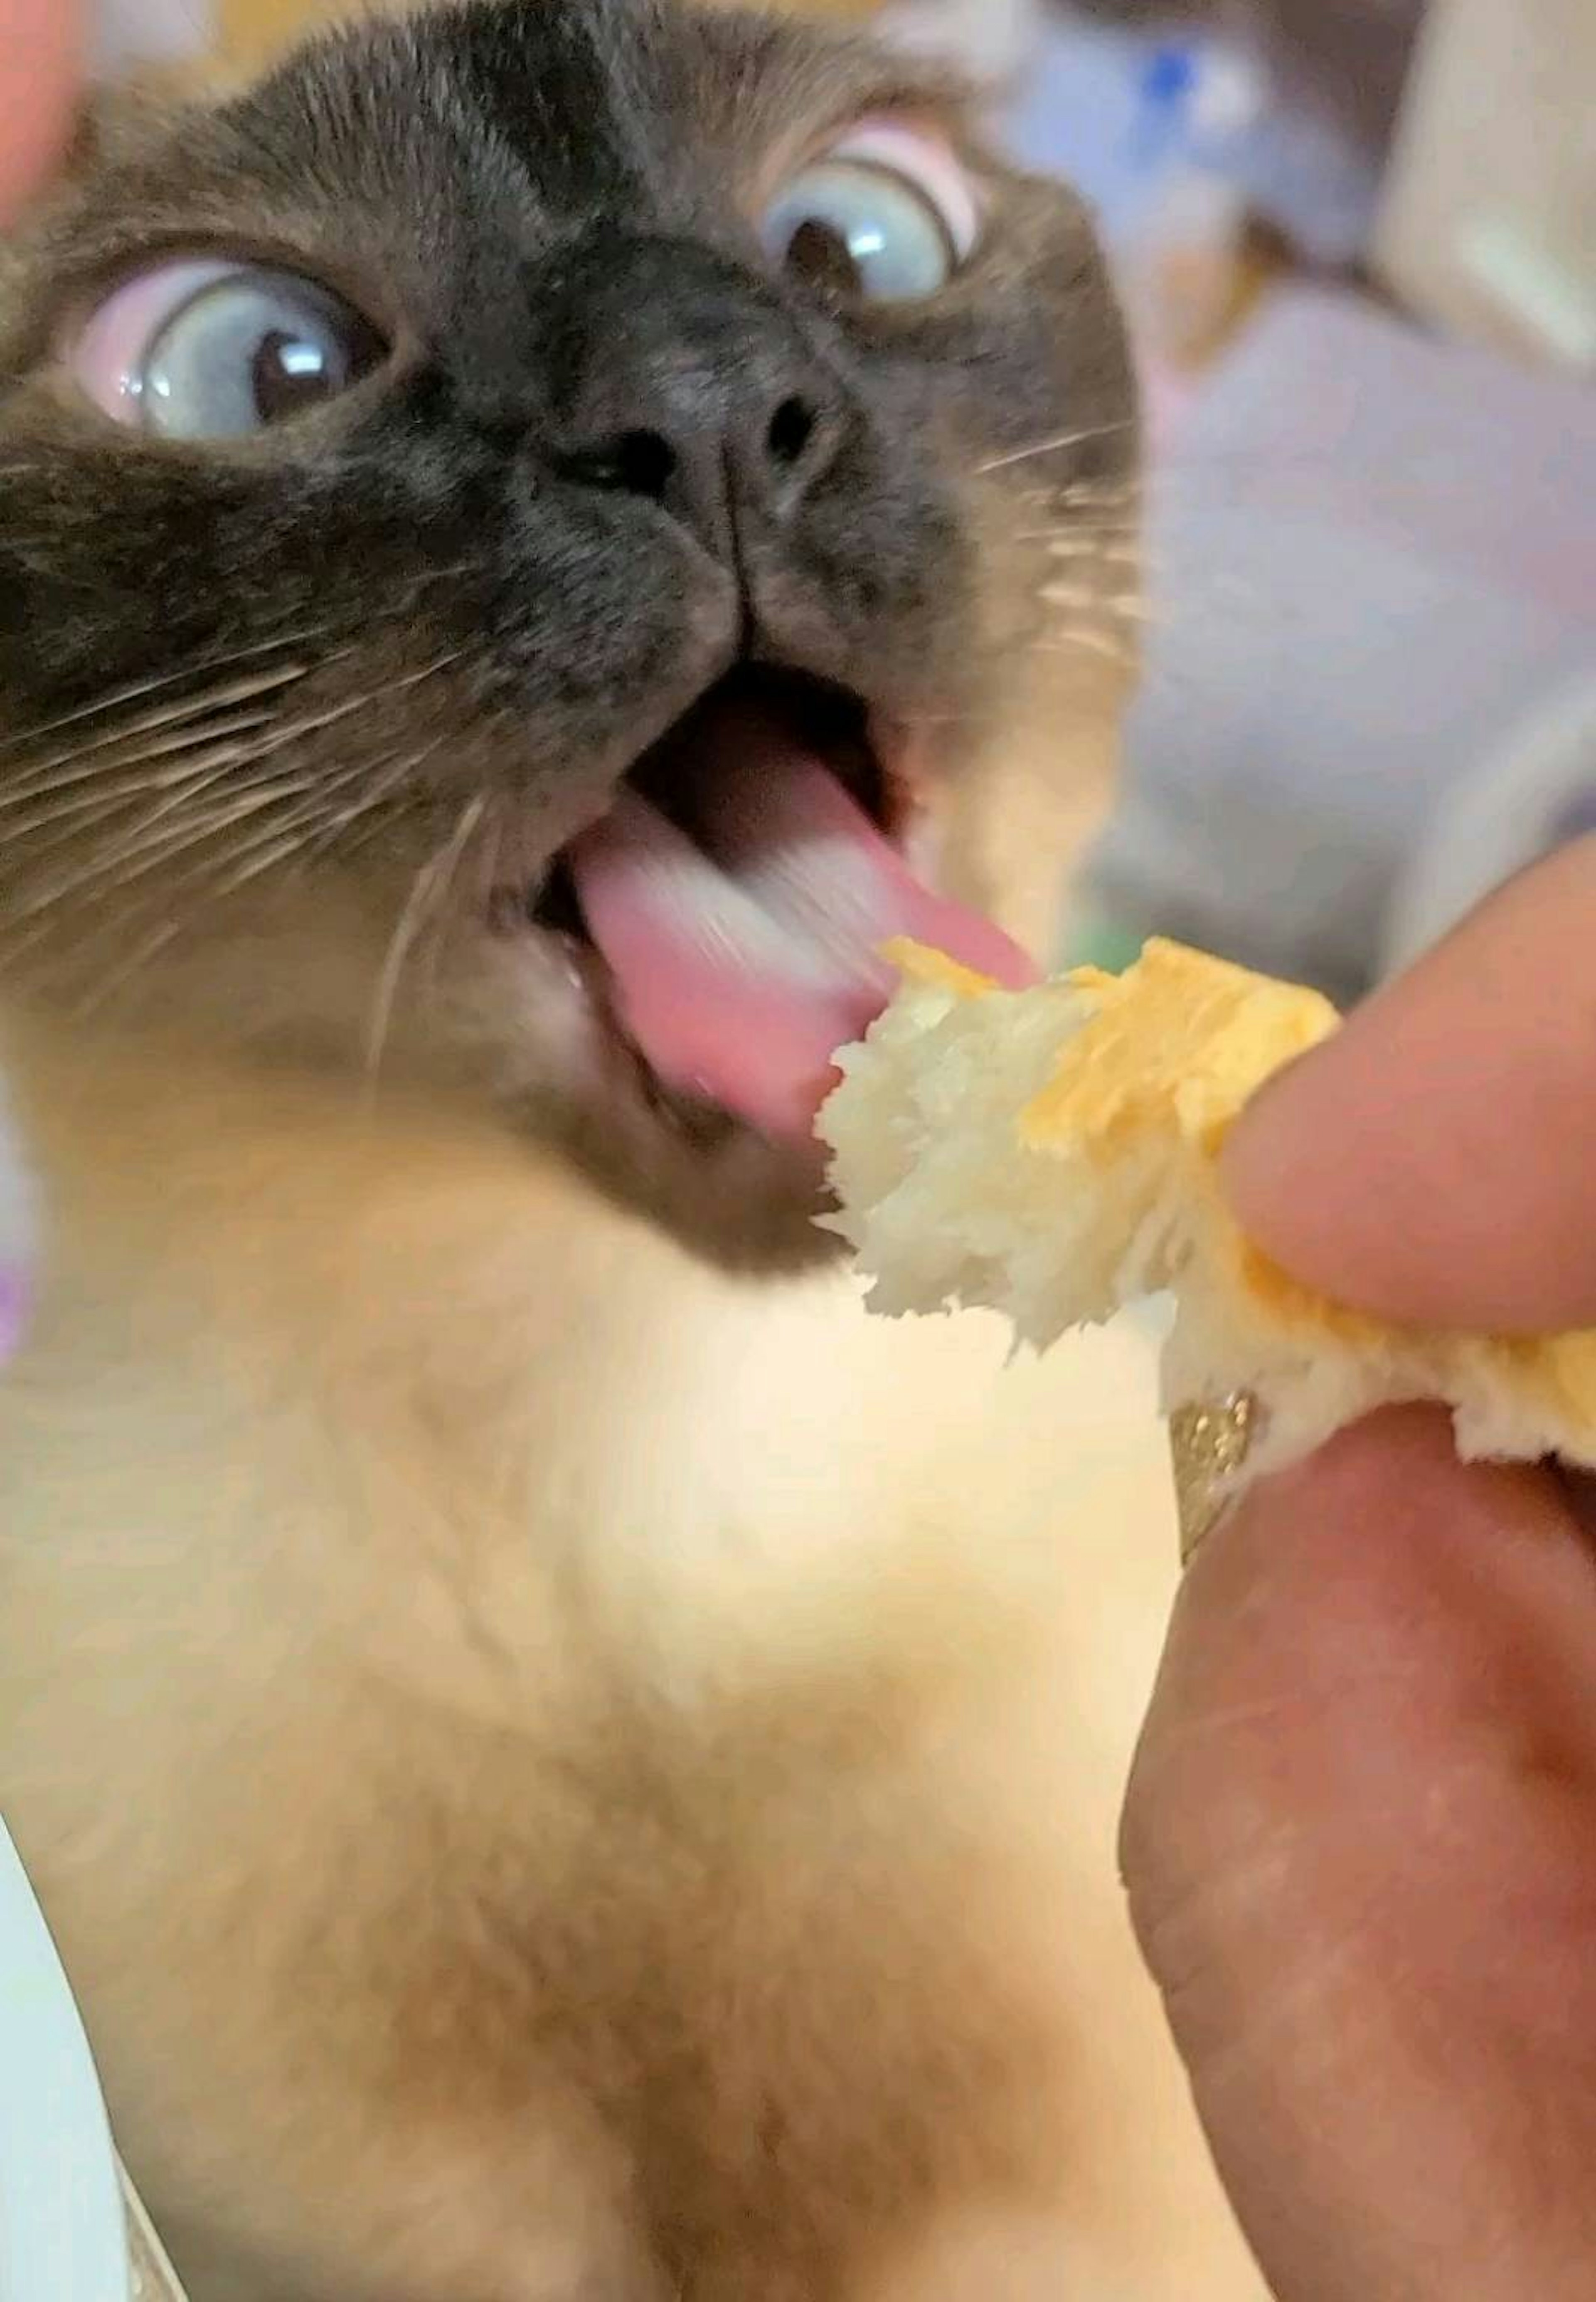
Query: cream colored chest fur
[[562, 1775]]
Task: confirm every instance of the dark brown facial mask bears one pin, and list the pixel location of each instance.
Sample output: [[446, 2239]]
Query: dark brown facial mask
[[526, 416]]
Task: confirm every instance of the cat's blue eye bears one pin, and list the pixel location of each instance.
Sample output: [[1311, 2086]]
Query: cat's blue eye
[[207, 350], [886, 217]]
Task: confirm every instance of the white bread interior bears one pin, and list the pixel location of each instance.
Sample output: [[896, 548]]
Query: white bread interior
[[1052, 1153]]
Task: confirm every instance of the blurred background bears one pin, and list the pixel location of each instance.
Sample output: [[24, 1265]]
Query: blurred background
[[1357, 240]]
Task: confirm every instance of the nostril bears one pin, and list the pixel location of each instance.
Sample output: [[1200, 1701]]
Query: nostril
[[634, 463], [792, 428]]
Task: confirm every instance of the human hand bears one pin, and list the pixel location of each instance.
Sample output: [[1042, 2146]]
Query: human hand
[[1360, 1839], [40, 61]]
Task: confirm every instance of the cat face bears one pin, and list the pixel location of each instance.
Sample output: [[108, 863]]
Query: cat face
[[531, 542]]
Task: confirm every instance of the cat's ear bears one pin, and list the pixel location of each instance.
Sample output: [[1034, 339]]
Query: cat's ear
[[117, 122], [114, 127]]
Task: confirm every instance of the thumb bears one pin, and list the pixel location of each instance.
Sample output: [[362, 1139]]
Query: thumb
[[1360, 1844], [1431, 1161]]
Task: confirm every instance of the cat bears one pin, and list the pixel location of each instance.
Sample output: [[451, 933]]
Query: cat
[[566, 1763]]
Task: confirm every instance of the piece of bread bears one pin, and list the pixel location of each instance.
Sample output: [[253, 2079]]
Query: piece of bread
[[1053, 1153]]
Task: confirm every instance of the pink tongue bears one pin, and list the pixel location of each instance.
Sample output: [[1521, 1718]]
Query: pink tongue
[[739, 966]]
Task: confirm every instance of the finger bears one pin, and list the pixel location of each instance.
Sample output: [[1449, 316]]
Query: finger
[[1360, 1844], [39, 65], [1432, 1162]]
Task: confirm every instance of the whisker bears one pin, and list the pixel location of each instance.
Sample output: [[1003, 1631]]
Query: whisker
[[189, 707], [371, 800], [192, 824], [85, 760], [115, 783], [137, 958], [1128, 604], [1053, 446], [1057, 491], [942, 718], [212, 824], [1084, 642], [1069, 534], [311, 792], [1071, 541], [439, 869], [493, 857], [300, 635], [121, 866], [248, 756], [375, 818], [278, 848], [471, 821], [278, 840], [113, 702], [1106, 508], [312, 723], [205, 773], [172, 765], [1100, 495]]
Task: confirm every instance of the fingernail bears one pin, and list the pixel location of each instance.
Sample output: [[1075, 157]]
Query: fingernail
[[1209, 1445]]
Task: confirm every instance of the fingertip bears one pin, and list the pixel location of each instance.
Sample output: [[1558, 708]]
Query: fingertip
[[1260, 1155], [1430, 1162]]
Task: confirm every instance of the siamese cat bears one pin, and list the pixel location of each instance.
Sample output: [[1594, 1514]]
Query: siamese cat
[[566, 1763]]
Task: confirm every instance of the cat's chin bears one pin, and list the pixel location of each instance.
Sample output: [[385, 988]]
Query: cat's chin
[[718, 1187], [722, 1188]]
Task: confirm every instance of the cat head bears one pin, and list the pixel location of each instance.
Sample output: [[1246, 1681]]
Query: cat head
[[531, 541]]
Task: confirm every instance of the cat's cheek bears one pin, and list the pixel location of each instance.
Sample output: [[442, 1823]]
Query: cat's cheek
[[522, 1010]]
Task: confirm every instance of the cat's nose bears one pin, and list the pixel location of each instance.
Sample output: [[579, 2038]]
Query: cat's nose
[[710, 450], [701, 396]]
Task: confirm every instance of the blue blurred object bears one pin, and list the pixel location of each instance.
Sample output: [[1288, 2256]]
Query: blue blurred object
[[1121, 112], [1085, 110], [1169, 80]]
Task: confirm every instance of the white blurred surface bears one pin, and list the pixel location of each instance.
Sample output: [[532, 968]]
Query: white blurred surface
[[1535, 793], [1371, 564], [62, 2235], [151, 31]]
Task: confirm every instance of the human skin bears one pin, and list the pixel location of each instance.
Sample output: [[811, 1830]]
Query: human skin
[[1361, 1837], [40, 62], [1360, 1840]]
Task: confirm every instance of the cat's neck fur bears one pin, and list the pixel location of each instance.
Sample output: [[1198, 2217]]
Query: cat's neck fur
[[390, 1521], [444, 1332]]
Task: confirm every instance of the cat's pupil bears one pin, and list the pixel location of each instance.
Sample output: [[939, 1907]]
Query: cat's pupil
[[819, 253], [290, 374]]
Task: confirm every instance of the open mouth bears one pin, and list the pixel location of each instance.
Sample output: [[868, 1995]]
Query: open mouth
[[731, 907], [731, 724]]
